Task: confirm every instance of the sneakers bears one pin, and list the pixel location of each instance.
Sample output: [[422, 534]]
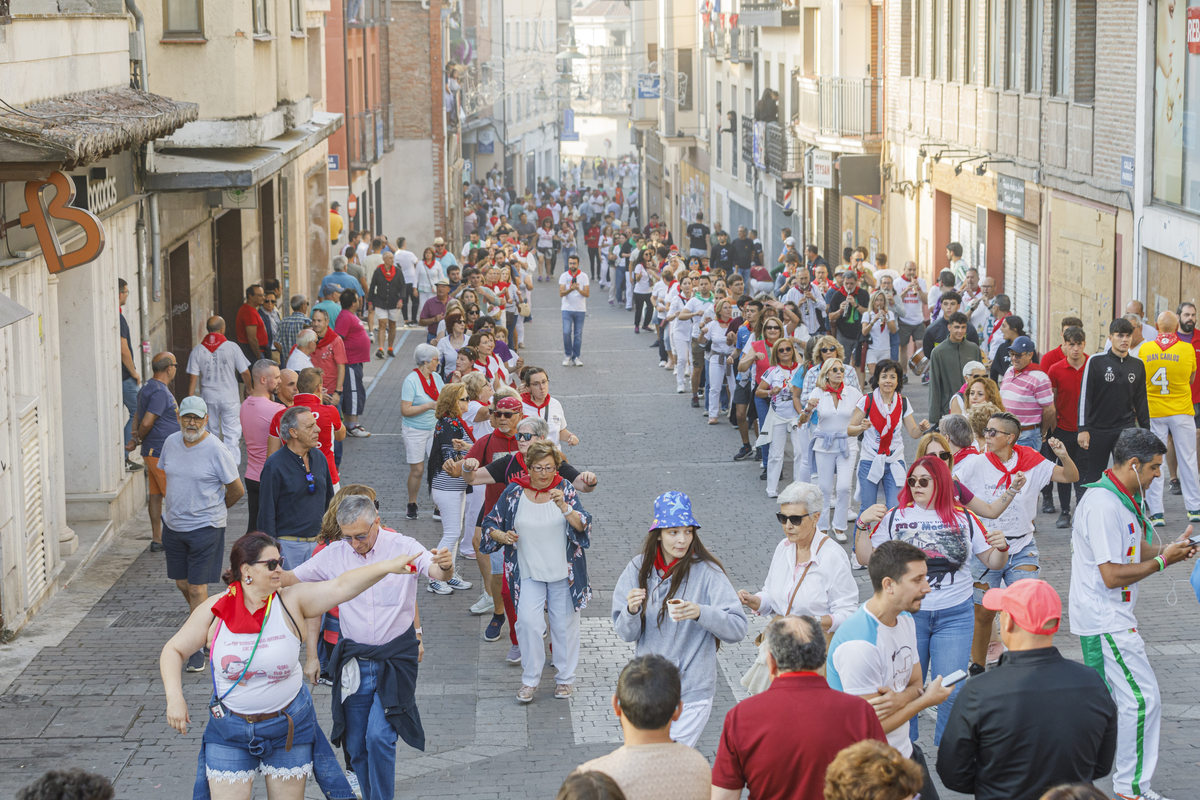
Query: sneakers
[[437, 514], [1147, 794], [662, 363], [157, 547], [763, 477], [133, 466], [438, 587], [195, 662], [578, 362], [1193, 516], [494, 627], [1064, 520], [636, 329], [1047, 506], [1176, 489], [563, 691], [566, 362], [525, 694], [839, 535], [975, 669], [1157, 521], [744, 453], [391, 353], [514, 654], [379, 353], [359, 432], [352, 779], [695, 401], [456, 582], [679, 390], [483, 605], [854, 563], [412, 511]]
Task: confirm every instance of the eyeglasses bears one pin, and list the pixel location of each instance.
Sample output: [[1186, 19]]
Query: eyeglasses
[[272, 564], [783, 350], [772, 328], [543, 470], [360, 538], [943, 456], [524, 437], [795, 519], [828, 349], [838, 370], [922, 481], [312, 482], [504, 414], [990, 432]]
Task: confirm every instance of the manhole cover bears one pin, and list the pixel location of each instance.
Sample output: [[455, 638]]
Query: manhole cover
[[150, 619]]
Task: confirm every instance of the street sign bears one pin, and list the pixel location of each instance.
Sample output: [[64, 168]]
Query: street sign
[[352, 205], [1010, 196], [334, 161], [1127, 162], [820, 169]]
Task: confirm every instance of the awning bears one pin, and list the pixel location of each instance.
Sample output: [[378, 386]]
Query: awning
[[11, 311], [74, 130], [192, 169]]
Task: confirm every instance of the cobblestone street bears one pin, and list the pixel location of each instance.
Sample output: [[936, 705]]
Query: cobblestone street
[[91, 696]]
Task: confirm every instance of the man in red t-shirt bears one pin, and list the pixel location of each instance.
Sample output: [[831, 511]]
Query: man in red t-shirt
[[329, 420], [249, 328], [330, 355], [1065, 378], [1056, 355], [763, 748]]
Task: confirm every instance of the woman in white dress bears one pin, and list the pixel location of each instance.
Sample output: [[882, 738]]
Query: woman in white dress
[[834, 452], [782, 419]]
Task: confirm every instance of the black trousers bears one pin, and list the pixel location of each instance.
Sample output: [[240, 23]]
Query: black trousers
[[663, 355], [1070, 440], [1098, 453], [252, 503], [642, 309], [929, 790], [594, 261]]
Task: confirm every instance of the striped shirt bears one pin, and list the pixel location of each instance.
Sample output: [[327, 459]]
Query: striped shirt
[[289, 328], [1026, 393]]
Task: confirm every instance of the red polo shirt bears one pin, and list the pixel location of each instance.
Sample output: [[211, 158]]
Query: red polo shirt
[[485, 451], [248, 315], [764, 747], [329, 421], [1066, 381], [1051, 358]]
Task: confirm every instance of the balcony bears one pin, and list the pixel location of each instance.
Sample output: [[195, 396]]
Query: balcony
[[607, 52], [846, 113], [366, 13], [366, 135], [769, 15], [741, 44]]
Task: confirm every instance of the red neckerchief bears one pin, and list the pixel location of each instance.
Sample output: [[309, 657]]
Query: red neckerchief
[[822, 285], [388, 274], [836, 392], [842, 290], [231, 609], [1027, 459], [528, 399], [524, 481], [886, 427], [428, 384], [428, 264], [328, 339], [574, 274], [661, 565], [792, 368], [1121, 487], [966, 451], [215, 340], [486, 370], [1163, 340], [462, 423], [996, 327]]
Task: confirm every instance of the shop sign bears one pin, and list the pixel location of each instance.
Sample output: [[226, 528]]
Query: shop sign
[[1010, 196], [39, 216], [820, 169]]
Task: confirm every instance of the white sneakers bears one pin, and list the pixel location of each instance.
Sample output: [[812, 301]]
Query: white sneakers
[[483, 605], [578, 362], [456, 582], [566, 362], [438, 587]]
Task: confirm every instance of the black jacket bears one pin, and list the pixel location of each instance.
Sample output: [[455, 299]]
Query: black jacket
[[1113, 393], [395, 685], [743, 252], [384, 293], [1035, 721]]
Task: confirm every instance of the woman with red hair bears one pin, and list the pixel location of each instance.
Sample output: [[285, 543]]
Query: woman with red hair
[[930, 517]]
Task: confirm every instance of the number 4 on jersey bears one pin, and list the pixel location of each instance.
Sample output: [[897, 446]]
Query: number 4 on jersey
[[1159, 379]]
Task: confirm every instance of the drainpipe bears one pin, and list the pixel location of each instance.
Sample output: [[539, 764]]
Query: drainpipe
[[155, 230]]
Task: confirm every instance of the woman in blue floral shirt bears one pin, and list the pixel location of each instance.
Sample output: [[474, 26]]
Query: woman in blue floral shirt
[[544, 530]]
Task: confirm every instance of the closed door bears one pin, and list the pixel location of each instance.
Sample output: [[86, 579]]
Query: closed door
[[268, 231], [1082, 280], [179, 275], [231, 289]]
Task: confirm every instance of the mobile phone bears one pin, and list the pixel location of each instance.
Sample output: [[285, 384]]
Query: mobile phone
[[953, 678], [1194, 540]]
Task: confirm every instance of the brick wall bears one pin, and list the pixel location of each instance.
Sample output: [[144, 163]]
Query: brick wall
[[408, 70], [1116, 88]]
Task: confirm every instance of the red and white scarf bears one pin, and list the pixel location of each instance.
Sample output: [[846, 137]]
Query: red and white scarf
[[211, 343], [886, 426], [1027, 459]]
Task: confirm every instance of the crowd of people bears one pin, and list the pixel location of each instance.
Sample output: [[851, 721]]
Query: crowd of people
[[797, 353]]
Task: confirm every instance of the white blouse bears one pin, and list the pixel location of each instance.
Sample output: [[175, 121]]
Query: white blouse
[[835, 420], [829, 588]]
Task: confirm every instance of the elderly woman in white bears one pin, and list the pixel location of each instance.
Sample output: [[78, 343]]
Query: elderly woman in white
[[808, 574], [834, 454]]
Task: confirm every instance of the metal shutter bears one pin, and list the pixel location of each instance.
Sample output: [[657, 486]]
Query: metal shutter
[[962, 227], [35, 520], [1021, 271]]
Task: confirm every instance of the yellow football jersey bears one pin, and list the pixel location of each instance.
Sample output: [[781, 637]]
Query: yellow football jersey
[[1168, 374]]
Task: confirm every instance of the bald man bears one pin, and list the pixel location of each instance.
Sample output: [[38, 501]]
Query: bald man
[[1148, 330], [1170, 368], [216, 365], [157, 417]]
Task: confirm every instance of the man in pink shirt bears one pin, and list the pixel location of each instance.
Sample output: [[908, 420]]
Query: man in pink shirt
[[1027, 393], [357, 345], [379, 647], [256, 414]]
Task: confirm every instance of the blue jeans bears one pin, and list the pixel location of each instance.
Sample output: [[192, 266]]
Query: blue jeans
[[129, 393], [745, 273], [1026, 557], [573, 331], [762, 404], [619, 278], [895, 343], [943, 646], [370, 738], [868, 492], [1031, 438]]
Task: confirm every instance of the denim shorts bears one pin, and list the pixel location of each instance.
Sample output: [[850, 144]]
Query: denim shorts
[[246, 748], [1010, 574]]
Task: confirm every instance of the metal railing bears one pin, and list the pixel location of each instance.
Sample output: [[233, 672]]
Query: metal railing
[[849, 108], [748, 139], [365, 137], [741, 44], [607, 52], [769, 14]]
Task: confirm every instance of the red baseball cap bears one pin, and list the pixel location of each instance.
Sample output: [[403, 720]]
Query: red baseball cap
[[1033, 605]]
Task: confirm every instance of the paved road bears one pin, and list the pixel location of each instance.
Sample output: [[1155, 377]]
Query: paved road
[[92, 696]]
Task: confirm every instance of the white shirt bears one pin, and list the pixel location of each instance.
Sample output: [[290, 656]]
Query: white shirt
[[1104, 532], [714, 331], [981, 318], [574, 300], [428, 276], [298, 360], [864, 666], [959, 543], [979, 475], [780, 382], [829, 588], [481, 428], [552, 413], [641, 280], [408, 265], [698, 307], [830, 419], [880, 340], [675, 304], [806, 309], [910, 303], [218, 371]]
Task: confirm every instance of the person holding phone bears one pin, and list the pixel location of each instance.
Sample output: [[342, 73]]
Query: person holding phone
[[573, 288]]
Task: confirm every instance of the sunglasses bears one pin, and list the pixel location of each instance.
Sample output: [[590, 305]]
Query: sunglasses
[[990, 432], [783, 350], [504, 414], [271, 563], [772, 328], [795, 519], [524, 437], [312, 482], [828, 349], [922, 482], [838, 370], [943, 456]]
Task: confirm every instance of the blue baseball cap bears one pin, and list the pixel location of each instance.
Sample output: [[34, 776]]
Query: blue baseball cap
[[673, 510], [1021, 344]]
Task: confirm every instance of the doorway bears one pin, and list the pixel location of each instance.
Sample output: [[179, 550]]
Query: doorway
[[180, 286], [231, 291], [266, 216]]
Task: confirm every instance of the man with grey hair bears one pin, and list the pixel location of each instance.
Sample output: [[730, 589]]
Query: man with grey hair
[[255, 415], [215, 365], [379, 643], [418, 401], [306, 345], [295, 487], [958, 433], [763, 748], [291, 325], [202, 484], [341, 279]]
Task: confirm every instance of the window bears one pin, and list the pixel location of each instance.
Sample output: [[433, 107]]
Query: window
[[484, 7], [1058, 49], [720, 125], [1085, 51], [991, 43], [732, 121], [297, 9], [316, 61], [919, 41], [906, 34], [686, 88], [782, 82], [260, 18], [1012, 43], [953, 36], [528, 37], [970, 68], [812, 37], [517, 115], [749, 109], [183, 19], [937, 68], [507, 38], [1034, 16]]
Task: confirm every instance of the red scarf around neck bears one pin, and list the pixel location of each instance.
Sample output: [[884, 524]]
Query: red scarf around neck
[[792, 368], [523, 480], [573, 273], [661, 564], [964, 453], [1027, 459], [429, 385], [486, 369], [996, 327], [388, 274], [328, 339], [836, 392], [215, 340], [1163, 340], [231, 609], [527, 398], [466, 429], [888, 426]]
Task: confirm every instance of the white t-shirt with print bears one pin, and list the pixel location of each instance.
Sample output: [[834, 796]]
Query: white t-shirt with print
[[959, 542], [1104, 532], [979, 475], [699, 308], [218, 372], [864, 666], [910, 305], [880, 340], [780, 381], [573, 300], [641, 280]]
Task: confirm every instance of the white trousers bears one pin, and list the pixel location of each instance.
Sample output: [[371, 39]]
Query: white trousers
[[1182, 428], [474, 503], [831, 466], [224, 420], [779, 438], [690, 725], [555, 599], [521, 329], [611, 271], [681, 345], [1122, 662], [452, 505], [717, 374]]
